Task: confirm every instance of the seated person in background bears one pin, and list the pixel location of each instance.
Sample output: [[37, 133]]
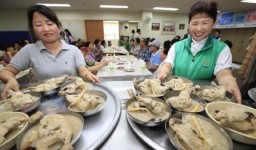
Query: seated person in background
[[24, 43], [8, 54], [97, 51], [217, 35], [163, 55], [229, 43], [152, 39], [174, 41], [103, 44], [155, 59], [185, 36], [63, 35], [127, 45], [109, 44], [90, 59], [144, 52], [17, 46], [69, 38], [167, 46], [137, 34], [121, 41], [177, 37], [135, 46], [149, 39], [80, 41]]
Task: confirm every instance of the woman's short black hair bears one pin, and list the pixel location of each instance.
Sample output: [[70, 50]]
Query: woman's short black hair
[[87, 44], [96, 41], [137, 40], [200, 7], [145, 40], [103, 42], [217, 30], [47, 12], [167, 46], [132, 40], [69, 33], [229, 43]]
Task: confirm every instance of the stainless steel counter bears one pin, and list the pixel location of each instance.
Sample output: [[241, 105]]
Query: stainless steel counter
[[123, 136]]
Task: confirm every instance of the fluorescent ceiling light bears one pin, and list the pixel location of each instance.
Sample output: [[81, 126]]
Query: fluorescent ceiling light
[[54, 5], [111, 21], [112, 6], [165, 8], [248, 1], [133, 21]]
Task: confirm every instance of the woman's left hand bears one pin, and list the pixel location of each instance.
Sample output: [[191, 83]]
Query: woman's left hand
[[225, 78], [92, 77], [235, 90], [86, 74]]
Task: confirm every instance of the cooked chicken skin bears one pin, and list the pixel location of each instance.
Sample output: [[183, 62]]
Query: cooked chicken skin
[[152, 87], [194, 133], [156, 107], [214, 94], [178, 84], [18, 100], [8, 125], [54, 132], [236, 118]]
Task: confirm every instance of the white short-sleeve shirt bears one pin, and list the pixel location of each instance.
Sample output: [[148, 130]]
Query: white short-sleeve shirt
[[224, 59]]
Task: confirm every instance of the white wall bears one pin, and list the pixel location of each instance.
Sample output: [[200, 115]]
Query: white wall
[[127, 32], [74, 21], [178, 18], [13, 20], [76, 27]]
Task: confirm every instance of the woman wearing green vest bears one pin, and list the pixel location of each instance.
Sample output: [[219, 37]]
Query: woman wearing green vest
[[201, 56]]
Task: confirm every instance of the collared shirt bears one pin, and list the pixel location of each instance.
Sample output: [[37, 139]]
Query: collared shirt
[[145, 54], [96, 50], [224, 59], [155, 59], [137, 35], [90, 59], [46, 65], [135, 49]]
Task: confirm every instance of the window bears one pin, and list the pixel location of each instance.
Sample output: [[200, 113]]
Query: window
[[111, 30]]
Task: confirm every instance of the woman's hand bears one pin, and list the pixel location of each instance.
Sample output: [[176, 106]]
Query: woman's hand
[[92, 77], [86, 74], [105, 62], [225, 78], [164, 71], [11, 84], [235, 90]]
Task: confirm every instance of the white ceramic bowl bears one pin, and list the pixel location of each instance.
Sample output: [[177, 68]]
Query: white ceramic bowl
[[235, 135], [10, 142]]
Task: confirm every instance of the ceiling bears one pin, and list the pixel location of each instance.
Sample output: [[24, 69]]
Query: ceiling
[[134, 5]]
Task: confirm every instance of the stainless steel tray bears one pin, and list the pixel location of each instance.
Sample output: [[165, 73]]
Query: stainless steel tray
[[157, 137], [98, 127]]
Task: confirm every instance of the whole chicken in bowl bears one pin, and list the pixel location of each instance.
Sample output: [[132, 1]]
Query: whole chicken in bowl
[[150, 87]]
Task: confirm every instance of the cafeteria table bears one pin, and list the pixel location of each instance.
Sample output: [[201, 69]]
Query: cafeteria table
[[115, 50], [115, 71]]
